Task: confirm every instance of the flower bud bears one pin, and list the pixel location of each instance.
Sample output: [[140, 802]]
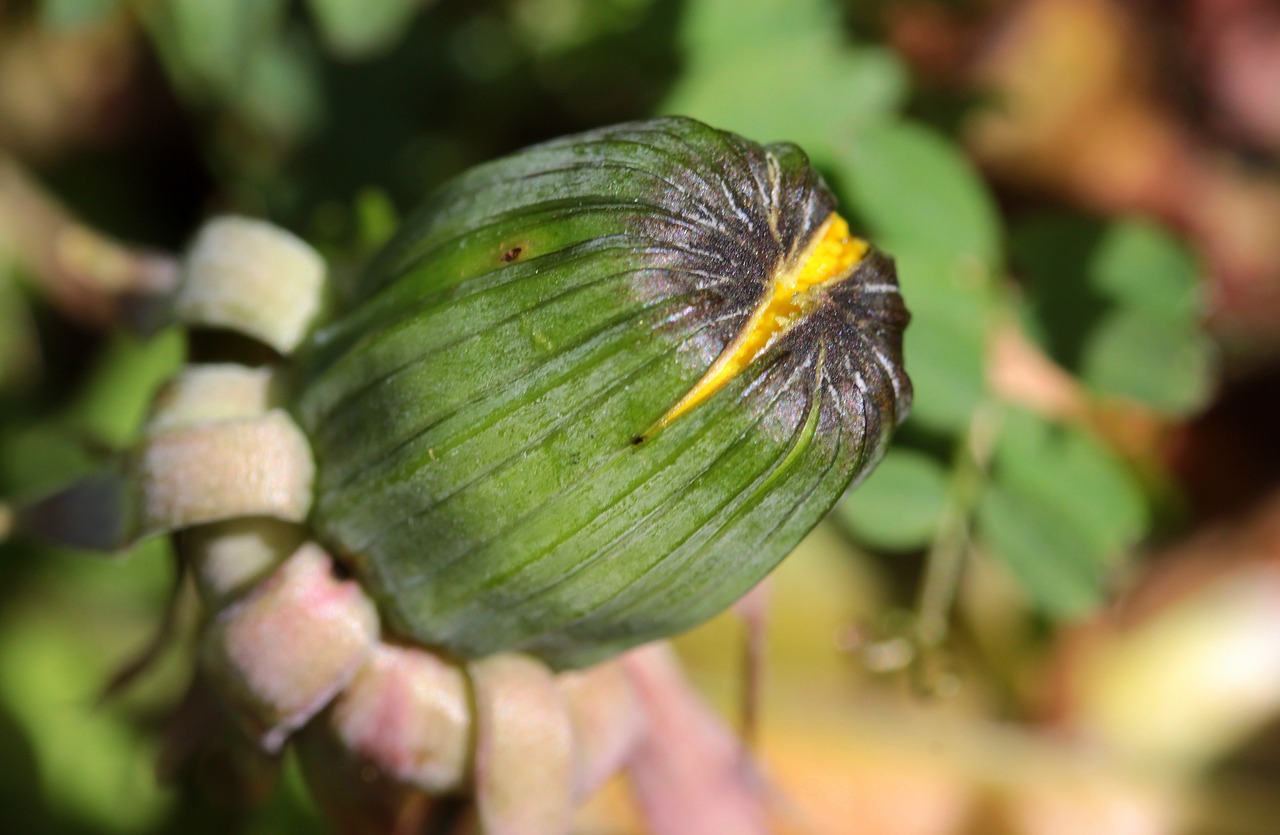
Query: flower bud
[[594, 391]]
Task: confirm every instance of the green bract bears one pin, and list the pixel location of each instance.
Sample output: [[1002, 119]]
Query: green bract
[[488, 417]]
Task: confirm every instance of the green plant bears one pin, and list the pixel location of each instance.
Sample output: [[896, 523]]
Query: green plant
[[587, 398], [329, 117]]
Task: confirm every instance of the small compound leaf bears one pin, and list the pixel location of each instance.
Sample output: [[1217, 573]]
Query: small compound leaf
[[359, 28], [1043, 550], [944, 350], [1118, 305], [898, 507], [1162, 364], [1151, 348], [798, 83], [1061, 511], [1052, 252], [946, 344], [913, 188], [1140, 265], [1069, 468]]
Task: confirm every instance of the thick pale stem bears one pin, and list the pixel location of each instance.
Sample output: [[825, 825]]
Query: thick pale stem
[[690, 775], [228, 558], [192, 470], [608, 723], [259, 466], [252, 277], [284, 650], [408, 713], [88, 276], [524, 748], [216, 392]]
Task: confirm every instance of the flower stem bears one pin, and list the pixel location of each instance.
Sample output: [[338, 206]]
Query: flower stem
[[945, 560], [88, 276]]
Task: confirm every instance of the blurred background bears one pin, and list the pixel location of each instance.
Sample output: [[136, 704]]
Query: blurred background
[[1054, 609]]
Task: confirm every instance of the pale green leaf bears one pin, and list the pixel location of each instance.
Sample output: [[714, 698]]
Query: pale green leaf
[[898, 507], [797, 80], [115, 400], [358, 28], [1045, 553], [1166, 365], [1061, 511], [946, 344], [1141, 265], [1069, 469], [914, 187]]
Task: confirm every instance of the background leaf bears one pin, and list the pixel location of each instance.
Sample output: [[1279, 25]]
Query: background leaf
[[913, 188], [1061, 510], [796, 80], [898, 506], [357, 28], [1046, 554], [1165, 365], [923, 203], [1119, 305]]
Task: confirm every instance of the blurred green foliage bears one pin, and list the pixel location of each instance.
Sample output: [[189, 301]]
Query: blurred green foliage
[[334, 116], [1118, 305]]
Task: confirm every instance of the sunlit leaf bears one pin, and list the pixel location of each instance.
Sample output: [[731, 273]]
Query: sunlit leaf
[[55, 656], [207, 45], [281, 92], [898, 507], [356, 28], [1070, 468], [1061, 511], [1166, 365], [1042, 549], [913, 187], [1141, 265], [798, 81], [945, 347], [1119, 305], [115, 400]]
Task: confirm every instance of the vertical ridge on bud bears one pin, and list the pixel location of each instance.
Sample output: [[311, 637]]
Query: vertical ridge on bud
[[480, 415]]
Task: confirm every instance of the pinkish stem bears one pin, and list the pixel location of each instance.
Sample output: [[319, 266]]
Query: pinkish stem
[[690, 774]]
